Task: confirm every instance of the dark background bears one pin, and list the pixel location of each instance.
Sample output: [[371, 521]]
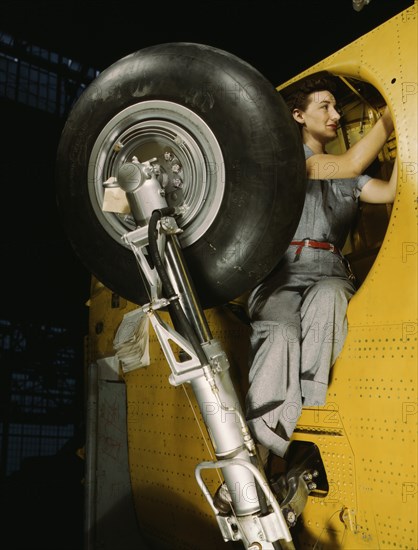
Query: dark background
[[43, 283]]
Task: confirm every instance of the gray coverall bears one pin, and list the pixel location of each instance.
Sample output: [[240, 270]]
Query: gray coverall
[[298, 315]]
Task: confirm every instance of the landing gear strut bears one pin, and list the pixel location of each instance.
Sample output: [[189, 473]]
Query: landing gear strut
[[254, 516], [202, 363]]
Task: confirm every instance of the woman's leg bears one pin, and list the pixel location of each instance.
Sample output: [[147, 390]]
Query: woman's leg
[[273, 401], [324, 329]]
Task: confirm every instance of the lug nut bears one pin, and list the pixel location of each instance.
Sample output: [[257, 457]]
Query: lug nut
[[291, 517], [177, 183], [175, 164]]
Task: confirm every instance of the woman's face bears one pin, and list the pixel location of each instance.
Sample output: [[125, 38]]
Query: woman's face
[[320, 118]]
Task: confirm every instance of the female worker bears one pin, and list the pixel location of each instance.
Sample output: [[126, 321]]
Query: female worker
[[298, 314]]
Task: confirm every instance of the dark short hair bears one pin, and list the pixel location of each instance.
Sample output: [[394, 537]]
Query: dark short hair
[[296, 94]]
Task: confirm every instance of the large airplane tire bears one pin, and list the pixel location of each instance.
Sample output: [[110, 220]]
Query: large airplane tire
[[238, 155]]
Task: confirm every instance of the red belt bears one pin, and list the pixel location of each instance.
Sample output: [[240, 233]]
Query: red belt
[[315, 244], [323, 246]]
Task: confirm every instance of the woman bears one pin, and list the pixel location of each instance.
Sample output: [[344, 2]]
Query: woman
[[298, 314]]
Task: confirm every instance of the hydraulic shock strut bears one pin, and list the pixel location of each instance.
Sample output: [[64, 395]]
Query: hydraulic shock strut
[[255, 516]]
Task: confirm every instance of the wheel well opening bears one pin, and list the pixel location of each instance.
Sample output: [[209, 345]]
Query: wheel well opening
[[362, 104]]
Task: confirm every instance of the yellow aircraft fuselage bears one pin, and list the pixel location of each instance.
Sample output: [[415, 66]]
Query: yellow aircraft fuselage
[[367, 430]]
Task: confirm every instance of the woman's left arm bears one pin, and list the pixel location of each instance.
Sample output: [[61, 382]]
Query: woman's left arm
[[379, 191]]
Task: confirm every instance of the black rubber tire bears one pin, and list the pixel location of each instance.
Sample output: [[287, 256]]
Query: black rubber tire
[[264, 167]]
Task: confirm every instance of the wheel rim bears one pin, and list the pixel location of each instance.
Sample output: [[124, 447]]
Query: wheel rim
[[176, 137]]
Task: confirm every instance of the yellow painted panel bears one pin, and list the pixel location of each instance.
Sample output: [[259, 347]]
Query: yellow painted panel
[[367, 431], [373, 391]]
